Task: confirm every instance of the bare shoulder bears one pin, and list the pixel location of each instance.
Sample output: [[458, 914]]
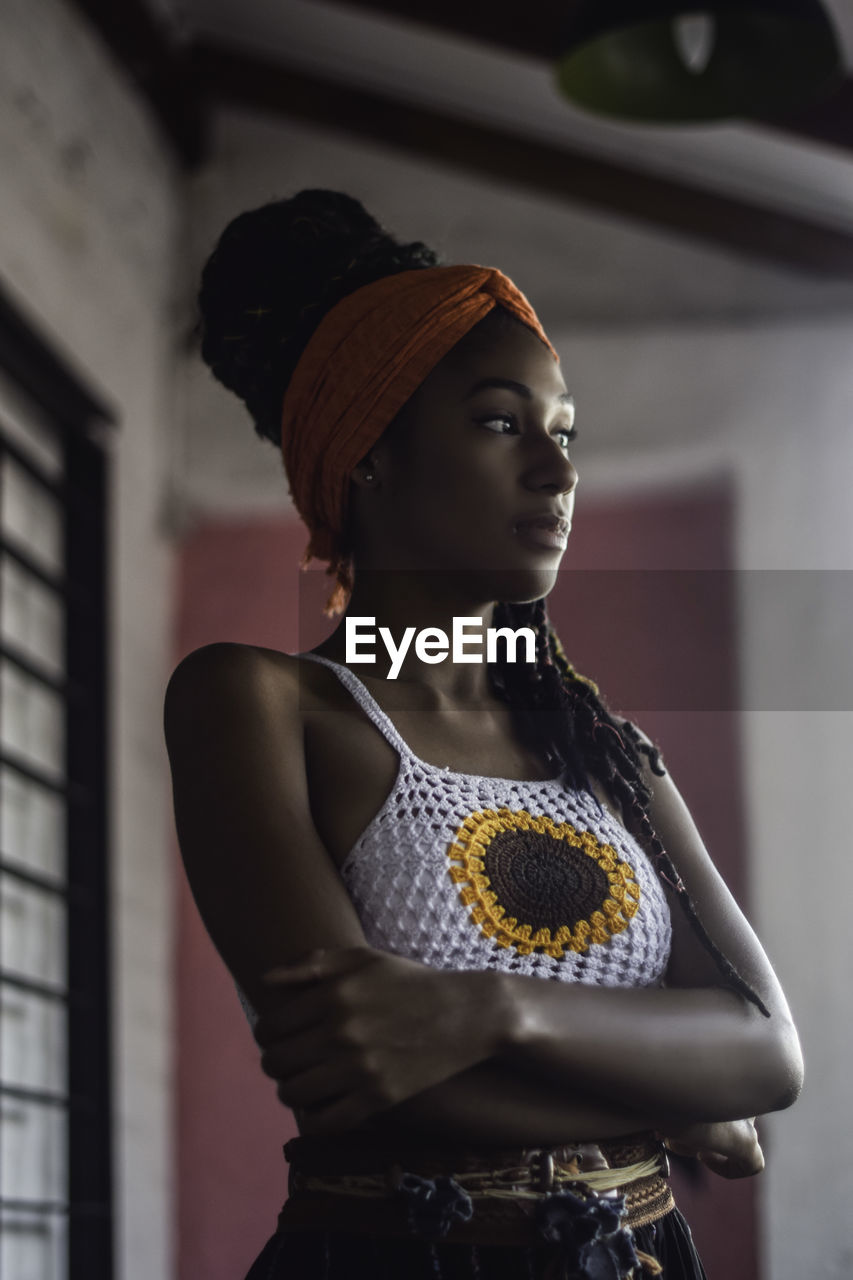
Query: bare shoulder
[[229, 668], [227, 684], [262, 878]]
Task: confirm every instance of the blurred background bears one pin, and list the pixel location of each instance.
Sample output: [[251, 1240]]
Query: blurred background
[[697, 280]]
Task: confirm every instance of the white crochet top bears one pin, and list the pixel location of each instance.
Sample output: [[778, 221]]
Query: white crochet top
[[464, 872]]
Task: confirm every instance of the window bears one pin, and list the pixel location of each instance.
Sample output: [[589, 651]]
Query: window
[[55, 1201]]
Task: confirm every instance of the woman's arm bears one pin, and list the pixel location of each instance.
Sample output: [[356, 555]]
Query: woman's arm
[[269, 893], [496, 1103], [493, 1104], [675, 1057], [265, 886], [698, 1048], [695, 1052], [367, 1035]]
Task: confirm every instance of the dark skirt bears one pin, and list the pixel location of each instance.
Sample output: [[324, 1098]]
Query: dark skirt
[[341, 1255]]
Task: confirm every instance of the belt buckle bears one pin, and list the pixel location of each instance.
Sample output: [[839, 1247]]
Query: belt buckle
[[542, 1169]]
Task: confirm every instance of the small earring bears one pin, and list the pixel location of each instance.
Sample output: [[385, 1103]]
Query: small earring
[[368, 475]]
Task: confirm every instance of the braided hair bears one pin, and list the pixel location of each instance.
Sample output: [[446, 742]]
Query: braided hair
[[554, 704], [274, 274]]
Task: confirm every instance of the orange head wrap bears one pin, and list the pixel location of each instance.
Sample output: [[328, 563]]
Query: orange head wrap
[[366, 358]]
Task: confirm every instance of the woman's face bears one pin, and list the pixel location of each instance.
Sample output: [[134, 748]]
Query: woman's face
[[480, 451]]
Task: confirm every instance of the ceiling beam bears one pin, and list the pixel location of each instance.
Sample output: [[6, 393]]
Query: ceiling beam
[[539, 33], [158, 67], [620, 190]]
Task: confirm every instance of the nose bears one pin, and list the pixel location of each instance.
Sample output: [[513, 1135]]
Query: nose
[[552, 469]]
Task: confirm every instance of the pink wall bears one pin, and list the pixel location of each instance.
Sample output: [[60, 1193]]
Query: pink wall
[[231, 1175], [640, 632]]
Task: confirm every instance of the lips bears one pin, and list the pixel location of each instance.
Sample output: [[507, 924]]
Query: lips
[[547, 531]]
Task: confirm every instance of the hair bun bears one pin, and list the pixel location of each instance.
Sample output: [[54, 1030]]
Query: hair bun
[[275, 272]]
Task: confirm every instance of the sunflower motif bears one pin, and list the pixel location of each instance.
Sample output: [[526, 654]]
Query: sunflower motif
[[539, 885]]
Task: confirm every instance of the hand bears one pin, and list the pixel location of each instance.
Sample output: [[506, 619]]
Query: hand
[[729, 1148], [349, 1032]]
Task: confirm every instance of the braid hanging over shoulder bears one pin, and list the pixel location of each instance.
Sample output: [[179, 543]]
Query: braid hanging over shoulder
[[554, 703]]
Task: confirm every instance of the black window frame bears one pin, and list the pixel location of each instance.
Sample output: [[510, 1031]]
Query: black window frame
[[81, 421]]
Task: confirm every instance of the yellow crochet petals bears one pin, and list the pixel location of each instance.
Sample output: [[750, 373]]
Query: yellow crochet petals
[[468, 850]]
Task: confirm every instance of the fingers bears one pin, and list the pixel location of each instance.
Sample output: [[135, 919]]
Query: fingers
[[742, 1156], [337, 1117], [284, 1059], [680, 1148], [317, 965], [731, 1167], [313, 1087], [746, 1157], [288, 1013], [300, 995], [327, 1100], [729, 1149]]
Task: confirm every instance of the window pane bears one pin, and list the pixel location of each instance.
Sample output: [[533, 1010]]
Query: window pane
[[33, 1041], [26, 425], [38, 450], [32, 825], [32, 616], [32, 932], [32, 720], [33, 1246], [30, 515], [33, 1151]]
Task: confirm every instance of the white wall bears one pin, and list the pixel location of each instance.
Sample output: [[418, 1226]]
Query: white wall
[[89, 220], [796, 513], [773, 406]]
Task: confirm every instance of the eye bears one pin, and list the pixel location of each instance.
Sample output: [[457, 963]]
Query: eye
[[501, 419], [569, 434]]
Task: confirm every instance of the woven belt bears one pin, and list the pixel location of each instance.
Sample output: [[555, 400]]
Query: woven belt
[[347, 1186]]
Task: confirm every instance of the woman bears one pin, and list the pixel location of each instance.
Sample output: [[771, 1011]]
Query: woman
[[390, 859]]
